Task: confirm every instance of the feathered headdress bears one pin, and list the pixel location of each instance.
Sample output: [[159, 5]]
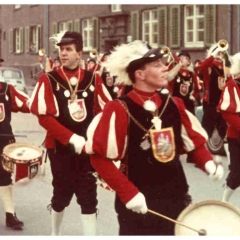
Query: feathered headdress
[[235, 67], [56, 38], [122, 56]]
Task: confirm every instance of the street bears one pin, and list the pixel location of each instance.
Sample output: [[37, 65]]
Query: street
[[32, 199]]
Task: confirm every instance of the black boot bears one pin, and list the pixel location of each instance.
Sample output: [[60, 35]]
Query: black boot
[[13, 222]]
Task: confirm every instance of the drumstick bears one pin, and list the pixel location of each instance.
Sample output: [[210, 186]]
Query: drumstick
[[201, 232], [11, 135]]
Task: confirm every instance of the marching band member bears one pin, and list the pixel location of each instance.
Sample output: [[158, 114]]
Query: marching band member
[[229, 107], [184, 84], [213, 70], [91, 64], [11, 100], [56, 63], [147, 130], [65, 101]]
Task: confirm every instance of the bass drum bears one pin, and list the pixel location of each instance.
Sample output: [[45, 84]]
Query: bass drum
[[216, 217]]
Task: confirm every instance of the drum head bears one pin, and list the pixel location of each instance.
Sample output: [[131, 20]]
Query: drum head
[[22, 153], [216, 217]]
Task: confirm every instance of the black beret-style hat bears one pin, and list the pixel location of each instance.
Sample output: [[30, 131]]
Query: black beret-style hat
[[152, 55], [71, 37], [184, 53]]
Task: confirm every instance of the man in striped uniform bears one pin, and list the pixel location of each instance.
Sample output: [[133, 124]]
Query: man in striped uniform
[[65, 101], [229, 107], [147, 130], [11, 100]]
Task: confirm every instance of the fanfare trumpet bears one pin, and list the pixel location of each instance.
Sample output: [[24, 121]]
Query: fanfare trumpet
[[167, 53], [223, 44], [42, 53]]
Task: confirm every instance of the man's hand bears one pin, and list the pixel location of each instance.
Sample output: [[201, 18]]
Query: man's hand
[[78, 142], [214, 170], [137, 204]]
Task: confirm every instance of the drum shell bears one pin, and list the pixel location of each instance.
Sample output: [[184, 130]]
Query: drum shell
[[216, 217], [21, 168]]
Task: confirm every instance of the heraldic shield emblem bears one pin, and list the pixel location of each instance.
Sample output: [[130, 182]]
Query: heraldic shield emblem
[[2, 112], [221, 83], [77, 110], [184, 89], [163, 144]]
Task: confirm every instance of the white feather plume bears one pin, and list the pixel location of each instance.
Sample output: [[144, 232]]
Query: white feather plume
[[56, 38], [235, 67], [120, 58]]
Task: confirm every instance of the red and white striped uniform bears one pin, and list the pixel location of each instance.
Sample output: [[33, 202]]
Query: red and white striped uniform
[[20, 100], [107, 138], [229, 106], [43, 104]]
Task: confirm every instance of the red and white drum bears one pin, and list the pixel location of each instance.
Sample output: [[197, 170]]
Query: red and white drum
[[217, 218], [22, 159]]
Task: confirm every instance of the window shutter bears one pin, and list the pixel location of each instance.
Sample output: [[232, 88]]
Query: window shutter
[[54, 28], [175, 26], [26, 38], [209, 24], [162, 26], [95, 33], [14, 40], [135, 25], [40, 37], [21, 39], [70, 25], [10, 41], [77, 25]]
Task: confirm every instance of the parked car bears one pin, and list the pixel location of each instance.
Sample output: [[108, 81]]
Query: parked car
[[215, 143], [13, 76]]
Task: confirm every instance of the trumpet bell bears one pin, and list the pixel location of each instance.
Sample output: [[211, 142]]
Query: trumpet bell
[[165, 51], [223, 44], [41, 52], [93, 53]]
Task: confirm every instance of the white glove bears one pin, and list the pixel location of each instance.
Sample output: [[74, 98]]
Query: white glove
[[214, 170], [78, 142], [137, 204]]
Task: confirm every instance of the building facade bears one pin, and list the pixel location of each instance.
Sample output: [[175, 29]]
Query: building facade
[[25, 29]]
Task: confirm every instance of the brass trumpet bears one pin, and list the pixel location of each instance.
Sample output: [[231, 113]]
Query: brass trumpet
[[167, 53], [223, 44], [42, 52], [93, 53]]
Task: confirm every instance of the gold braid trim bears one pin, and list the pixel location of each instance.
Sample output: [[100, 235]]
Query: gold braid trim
[[80, 90]]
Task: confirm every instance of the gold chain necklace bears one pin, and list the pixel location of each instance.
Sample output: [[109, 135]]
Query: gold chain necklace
[[73, 92], [138, 123]]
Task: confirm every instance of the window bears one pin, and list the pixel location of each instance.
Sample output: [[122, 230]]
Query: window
[[150, 27], [194, 25], [18, 40], [87, 33], [35, 39], [65, 26], [116, 8]]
